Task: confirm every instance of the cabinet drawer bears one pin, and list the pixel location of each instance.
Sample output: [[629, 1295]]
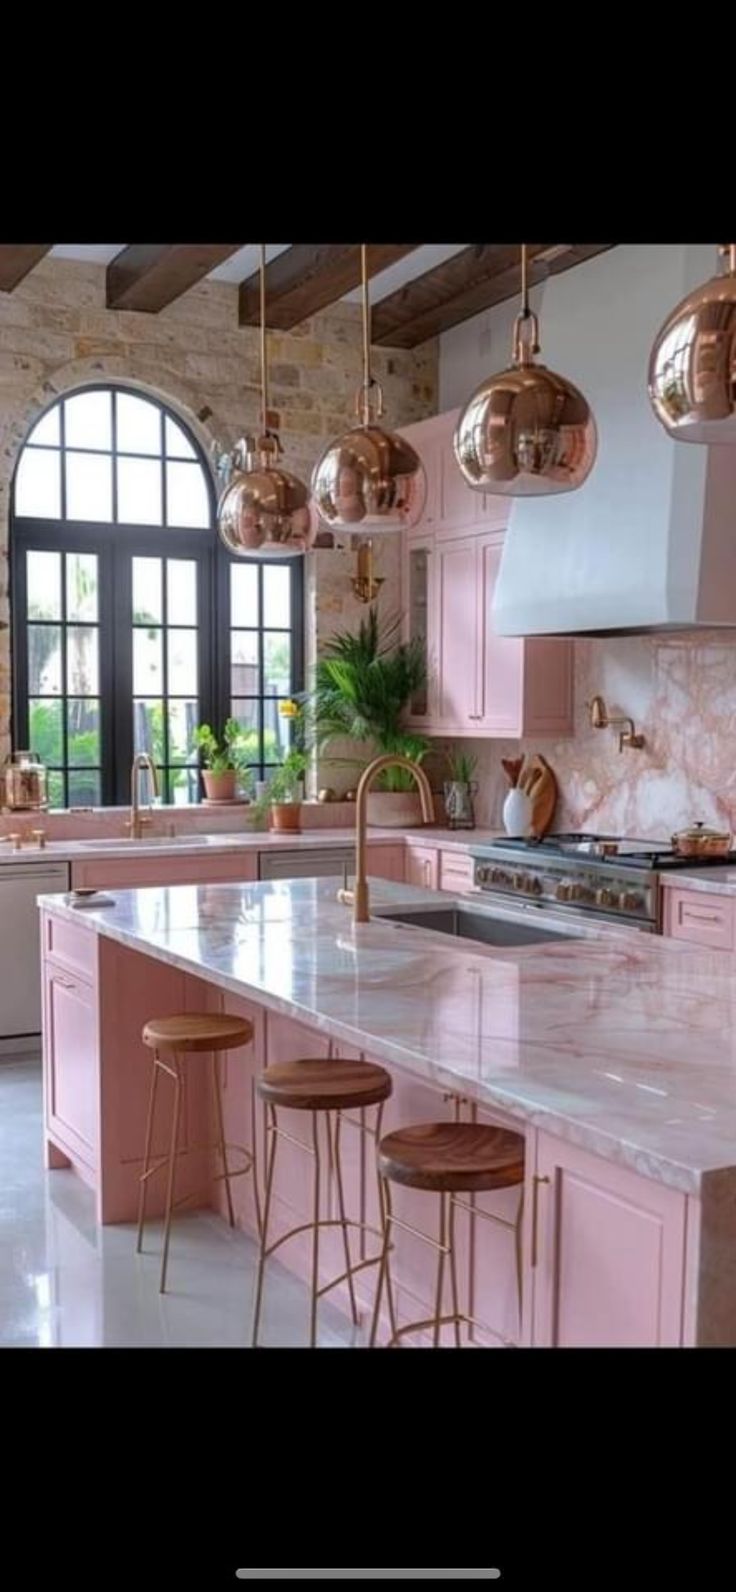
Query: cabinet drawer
[[456, 872], [704, 919], [421, 867], [70, 944]]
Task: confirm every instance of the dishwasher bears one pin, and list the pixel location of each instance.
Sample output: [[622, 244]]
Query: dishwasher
[[308, 863], [20, 946]]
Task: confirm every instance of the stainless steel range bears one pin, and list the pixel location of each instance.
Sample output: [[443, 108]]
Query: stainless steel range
[[599, 876]]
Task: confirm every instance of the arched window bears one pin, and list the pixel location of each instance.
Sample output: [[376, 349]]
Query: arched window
[[131, 624]]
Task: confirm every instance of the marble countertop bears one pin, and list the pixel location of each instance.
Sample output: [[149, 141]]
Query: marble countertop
[[623, 1043], [242, 840], [713, 880]]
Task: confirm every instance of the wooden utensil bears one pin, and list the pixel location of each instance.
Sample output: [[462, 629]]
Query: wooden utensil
[[537, 779]]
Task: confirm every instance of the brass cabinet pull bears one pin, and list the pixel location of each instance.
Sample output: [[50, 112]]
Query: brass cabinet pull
[[536, 1180]]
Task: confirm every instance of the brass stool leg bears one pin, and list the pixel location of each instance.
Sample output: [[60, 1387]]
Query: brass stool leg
[[270, 1166], [385, 1201], [147, 1152], [343, 1220], [440, 1270], [221, 1135], [315, 1234], [172, 1168], [453, 1271]]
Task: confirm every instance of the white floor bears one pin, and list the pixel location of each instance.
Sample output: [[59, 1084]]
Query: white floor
[[67, 1283]]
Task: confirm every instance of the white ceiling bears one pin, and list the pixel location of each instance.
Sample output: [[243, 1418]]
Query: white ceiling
[[245, 263]]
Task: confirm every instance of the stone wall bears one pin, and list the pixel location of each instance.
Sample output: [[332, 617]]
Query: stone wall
[[56, 335]]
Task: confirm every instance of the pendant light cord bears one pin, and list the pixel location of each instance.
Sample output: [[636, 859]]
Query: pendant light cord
[[524, 283], [264, 360], [367, 377]]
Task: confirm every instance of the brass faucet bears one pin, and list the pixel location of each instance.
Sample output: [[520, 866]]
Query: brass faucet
[[357, 898], [138, 820], [600, 720]]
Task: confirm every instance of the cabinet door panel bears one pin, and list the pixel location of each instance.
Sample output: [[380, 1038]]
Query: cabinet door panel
[[703, 919], [71, 1071], [420, 622], [422, 867], [128, 873], [610, 1254], [386, 862], [502, 657], [457, 602]]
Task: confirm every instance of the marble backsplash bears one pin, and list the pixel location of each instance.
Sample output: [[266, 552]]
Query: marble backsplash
[[680, 689]]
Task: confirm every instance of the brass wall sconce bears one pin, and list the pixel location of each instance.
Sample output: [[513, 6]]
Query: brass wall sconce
[[600, 721], [365, 584]]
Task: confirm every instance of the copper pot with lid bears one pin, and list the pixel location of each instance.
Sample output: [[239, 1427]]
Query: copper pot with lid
[[699, 841]]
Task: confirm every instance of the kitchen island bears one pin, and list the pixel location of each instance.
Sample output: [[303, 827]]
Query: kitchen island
[[614, 1055]]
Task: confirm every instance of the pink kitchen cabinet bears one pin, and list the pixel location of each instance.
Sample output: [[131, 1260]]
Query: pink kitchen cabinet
[[386, 862], [71, 1067], [421, 866], [525, 686], [701, 918], [127, 873], [607, 1253], [455, 872]]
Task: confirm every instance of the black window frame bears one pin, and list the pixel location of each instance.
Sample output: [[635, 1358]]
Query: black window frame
[[116, 544]]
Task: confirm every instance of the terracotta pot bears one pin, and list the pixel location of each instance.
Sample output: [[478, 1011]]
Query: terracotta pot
[[394, 809], [285, 815], [220, 787]]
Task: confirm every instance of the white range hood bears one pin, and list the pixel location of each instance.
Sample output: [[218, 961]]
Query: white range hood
[[649, 542]]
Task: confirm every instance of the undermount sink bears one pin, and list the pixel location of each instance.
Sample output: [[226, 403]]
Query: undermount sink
[[147, 840], [485, 928]]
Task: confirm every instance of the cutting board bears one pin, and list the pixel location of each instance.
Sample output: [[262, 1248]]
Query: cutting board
[[534, 775]]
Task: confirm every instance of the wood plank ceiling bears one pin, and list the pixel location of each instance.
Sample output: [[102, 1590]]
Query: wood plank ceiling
[[303, 278]]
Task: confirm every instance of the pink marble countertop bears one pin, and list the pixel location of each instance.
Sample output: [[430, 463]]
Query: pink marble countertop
[[622, 1043], [187, 845], [713, 880], [241, 840]]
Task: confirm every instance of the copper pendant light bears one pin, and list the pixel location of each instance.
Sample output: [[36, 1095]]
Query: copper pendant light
[[264, 510], [369, 479], [526, 431], [692, 369]]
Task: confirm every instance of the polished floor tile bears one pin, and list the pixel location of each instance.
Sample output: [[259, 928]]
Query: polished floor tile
[[67, 1283]]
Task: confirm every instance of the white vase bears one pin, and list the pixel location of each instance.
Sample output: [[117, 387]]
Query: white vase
[[517, 813]]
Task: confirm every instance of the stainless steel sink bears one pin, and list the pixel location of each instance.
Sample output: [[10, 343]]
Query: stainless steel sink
[[486, 928]]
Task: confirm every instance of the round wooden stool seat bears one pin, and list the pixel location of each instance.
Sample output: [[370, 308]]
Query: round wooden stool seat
[[452, 1156], [330, 1084], [197, 1031]]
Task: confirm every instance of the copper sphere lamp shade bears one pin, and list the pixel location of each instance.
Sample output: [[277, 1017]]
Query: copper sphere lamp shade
[[526, 431], [264, 510], [369, 480], [692, 368]]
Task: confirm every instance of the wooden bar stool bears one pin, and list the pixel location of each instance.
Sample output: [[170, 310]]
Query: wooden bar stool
[[173, 1038], [324, 1086], [448, 1158]]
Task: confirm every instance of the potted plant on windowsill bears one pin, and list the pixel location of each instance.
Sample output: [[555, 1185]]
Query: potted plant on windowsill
[[364, 687], [285, 792], [224, 769]]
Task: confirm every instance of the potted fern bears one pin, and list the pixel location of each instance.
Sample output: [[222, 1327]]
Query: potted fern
[[224, 761], [363, 688]]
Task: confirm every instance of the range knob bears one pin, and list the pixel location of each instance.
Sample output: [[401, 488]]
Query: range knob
[[606, 897], [499, 876], [519, 881], [631, 901], [563, 891], [535, 886]]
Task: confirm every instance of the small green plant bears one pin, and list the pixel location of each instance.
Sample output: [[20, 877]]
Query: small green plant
[[462, 766], [284, 783], [227, 755]]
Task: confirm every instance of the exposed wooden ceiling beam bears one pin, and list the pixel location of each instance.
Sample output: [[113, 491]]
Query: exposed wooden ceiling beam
[[471, 281], [17, 259], [308, 276], [148, 276]]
